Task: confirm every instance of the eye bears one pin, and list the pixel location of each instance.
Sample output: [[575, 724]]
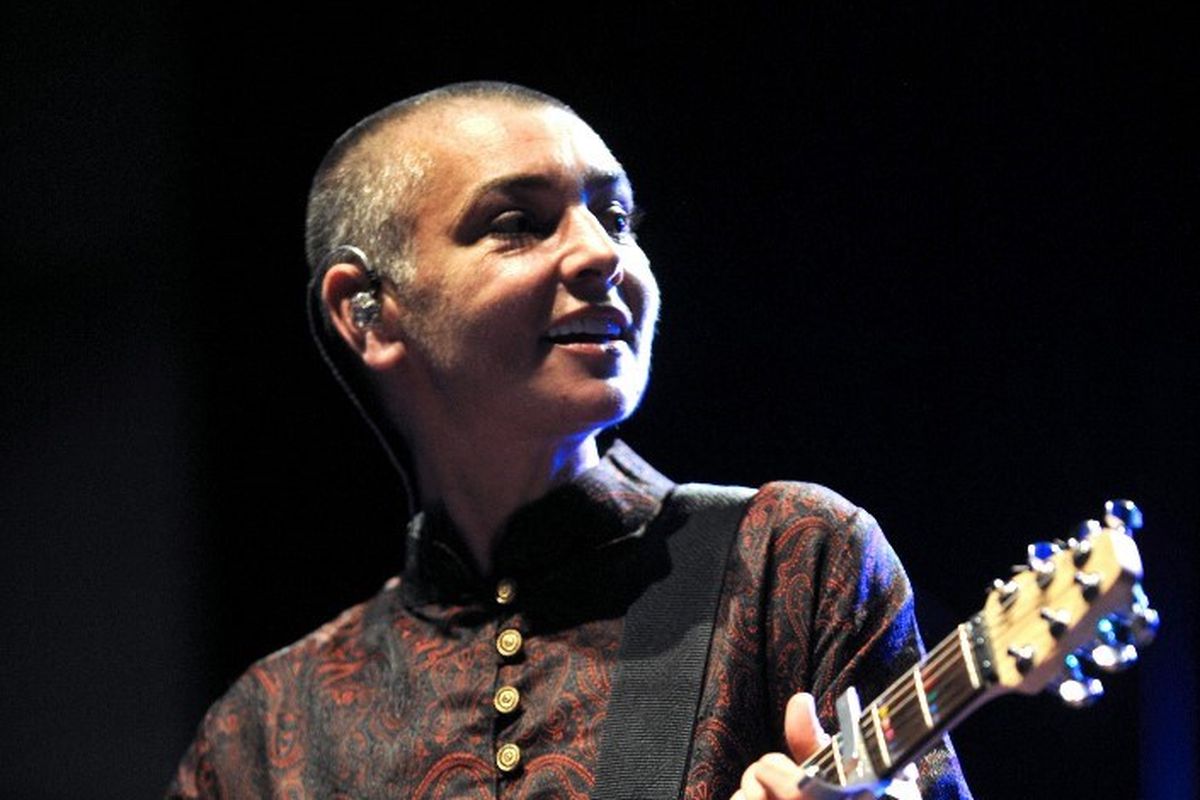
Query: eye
[[513, 223], [521, 223], [620, 222]]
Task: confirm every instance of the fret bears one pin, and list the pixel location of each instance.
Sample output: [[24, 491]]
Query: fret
[[906, 718], [968, 657], [919, 687], [836, 745], [881, 740]]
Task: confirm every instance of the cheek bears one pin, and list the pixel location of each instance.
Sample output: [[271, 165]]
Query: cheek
[[641, 291], [650, 323], [510, 313]]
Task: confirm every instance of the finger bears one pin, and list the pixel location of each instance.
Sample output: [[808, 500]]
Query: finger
[[801, 728], [780, 776], [772, 777], [750, 787]]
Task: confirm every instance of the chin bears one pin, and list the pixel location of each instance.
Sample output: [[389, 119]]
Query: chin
[[605, 406]]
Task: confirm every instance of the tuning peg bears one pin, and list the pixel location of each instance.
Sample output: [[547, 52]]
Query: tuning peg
[[1080, 694], [1006, 591], [1041, 560], [1080, 542], [1114, 658], [1022, 657], [1085, 529], [1089, 583], [1076, 689], [1056, 619], [1041, 551], [1113, 652], [1124, 514], [1144, 621]]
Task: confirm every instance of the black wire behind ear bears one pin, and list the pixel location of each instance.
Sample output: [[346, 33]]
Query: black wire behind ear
[[347, 372]]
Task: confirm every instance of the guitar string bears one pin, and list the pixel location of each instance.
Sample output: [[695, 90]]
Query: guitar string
[[899, 698], [935, 664], [902, 698], [907, 725]]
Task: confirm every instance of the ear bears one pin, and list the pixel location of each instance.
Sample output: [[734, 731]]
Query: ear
[[380, 346]]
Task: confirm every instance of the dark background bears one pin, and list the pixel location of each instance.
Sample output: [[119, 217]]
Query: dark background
[[936, 258]]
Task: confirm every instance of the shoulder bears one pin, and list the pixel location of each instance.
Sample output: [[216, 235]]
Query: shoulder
[[280, 682], [259, 719], [779, 503], [786, 513], [347, 638], [810, 529], [820, 516]]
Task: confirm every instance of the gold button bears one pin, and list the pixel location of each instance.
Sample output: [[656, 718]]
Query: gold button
[[508, 643], [506, 699], [508, 757], [506, 591]]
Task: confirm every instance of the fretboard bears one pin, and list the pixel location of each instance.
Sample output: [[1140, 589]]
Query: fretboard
[[912, 713]]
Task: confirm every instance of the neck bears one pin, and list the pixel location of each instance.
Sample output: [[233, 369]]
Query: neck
[[481, 480]]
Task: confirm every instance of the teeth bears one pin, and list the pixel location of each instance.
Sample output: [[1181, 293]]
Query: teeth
[[587, 325]]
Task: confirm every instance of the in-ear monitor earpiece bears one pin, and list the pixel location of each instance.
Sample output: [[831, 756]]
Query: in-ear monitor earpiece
[[365, 308]]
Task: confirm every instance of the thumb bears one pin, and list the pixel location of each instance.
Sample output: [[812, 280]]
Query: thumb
[[801, 727]]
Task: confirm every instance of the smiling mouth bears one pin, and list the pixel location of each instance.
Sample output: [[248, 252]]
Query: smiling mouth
[[585, 331]]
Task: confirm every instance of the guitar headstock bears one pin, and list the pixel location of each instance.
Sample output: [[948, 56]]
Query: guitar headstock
[[1073, 602]]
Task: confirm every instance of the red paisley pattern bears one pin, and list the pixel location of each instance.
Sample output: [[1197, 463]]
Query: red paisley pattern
[[394, 699]]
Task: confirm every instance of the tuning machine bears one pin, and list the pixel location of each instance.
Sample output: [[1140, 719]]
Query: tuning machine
[[1076, 689], [1040, 556], [1143, 620], [1080, 542], [1123, 514], [1113, 650], [1119, 635]]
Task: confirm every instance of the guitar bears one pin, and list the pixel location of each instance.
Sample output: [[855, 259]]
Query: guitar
[[1075, 604]]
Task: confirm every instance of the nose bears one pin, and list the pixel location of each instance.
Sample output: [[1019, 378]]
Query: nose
[[590, 256]]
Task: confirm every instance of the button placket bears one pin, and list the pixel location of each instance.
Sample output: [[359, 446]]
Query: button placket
[[506, 700]]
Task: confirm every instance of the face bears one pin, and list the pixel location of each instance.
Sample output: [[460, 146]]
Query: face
[[532, 304]]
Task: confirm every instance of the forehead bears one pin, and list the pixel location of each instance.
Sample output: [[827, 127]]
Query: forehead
[[476, 143]]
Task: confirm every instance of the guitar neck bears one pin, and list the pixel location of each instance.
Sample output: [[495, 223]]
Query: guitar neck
[[1073, 596], [912, 713]]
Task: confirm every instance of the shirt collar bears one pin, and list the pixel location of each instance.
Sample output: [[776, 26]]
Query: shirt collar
[[615, 499]]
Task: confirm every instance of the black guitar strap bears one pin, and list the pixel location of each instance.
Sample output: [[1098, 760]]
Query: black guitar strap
[[647, 737]]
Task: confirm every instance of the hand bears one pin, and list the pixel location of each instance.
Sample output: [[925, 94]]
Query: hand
[[775, 776]]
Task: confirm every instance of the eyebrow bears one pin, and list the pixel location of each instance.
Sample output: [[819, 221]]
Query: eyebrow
[[593, 179]]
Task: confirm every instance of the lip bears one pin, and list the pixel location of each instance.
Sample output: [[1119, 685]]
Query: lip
[[614, 321]]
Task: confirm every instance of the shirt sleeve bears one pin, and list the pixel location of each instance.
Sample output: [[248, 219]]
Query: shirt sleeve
[[840, 614]]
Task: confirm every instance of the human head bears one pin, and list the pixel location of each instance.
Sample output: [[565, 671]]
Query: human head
[[419, 155]]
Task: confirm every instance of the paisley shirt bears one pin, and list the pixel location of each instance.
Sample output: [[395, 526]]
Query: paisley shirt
[[449, 684]]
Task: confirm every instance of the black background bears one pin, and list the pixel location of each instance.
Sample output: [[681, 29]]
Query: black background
[[934, 257]]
